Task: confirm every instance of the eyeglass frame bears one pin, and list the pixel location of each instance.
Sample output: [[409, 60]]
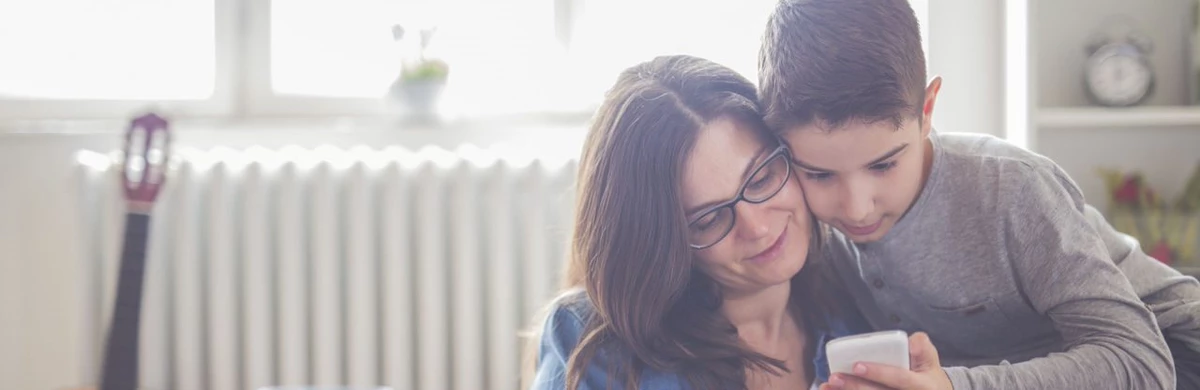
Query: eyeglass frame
[[782, 151]]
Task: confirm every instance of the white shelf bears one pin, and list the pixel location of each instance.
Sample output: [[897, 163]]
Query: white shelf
[[1101, 117]]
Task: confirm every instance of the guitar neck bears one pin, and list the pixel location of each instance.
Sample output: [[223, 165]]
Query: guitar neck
[[120, 371]]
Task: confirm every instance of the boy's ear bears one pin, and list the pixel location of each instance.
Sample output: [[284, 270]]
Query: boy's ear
[[931, 94]]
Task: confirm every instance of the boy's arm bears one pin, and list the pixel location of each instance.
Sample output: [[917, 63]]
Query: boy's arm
[[1173, 297], [1112, 339]]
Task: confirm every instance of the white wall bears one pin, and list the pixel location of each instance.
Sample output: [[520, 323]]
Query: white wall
[[966, 48], [10, 286], [38, 283], [39, 293]]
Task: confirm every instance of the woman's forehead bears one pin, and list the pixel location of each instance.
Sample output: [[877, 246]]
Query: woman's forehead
[[719, 160]]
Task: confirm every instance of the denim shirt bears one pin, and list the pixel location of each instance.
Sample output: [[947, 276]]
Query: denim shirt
[[563, 329]]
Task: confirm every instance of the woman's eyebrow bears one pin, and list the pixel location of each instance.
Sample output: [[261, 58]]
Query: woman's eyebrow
[[691, 212]]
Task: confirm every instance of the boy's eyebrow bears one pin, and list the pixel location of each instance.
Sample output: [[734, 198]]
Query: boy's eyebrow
[[888, 155], [885, 156], [805, 166]]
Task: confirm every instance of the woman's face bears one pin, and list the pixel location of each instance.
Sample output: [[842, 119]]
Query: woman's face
[[768, 241]]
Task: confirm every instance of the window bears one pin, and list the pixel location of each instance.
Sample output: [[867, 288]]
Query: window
[[615, 34], [505, 56], [333, 49], [338, 57], [66, 59], [107, 49], [500, 52]]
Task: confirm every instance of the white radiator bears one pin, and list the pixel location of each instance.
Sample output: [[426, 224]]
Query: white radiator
[[413, 270]]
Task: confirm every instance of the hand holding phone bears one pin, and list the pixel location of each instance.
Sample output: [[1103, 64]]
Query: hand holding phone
[[886, 347]]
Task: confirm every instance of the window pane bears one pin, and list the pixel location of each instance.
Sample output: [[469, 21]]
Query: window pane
[[498, 51], [615, 34], [338, 48], [107, 49]]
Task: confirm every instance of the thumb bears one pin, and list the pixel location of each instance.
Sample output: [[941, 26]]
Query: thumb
[[922, 354]]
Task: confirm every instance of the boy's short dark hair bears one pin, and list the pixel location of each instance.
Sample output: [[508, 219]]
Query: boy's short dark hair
[[832, 61]]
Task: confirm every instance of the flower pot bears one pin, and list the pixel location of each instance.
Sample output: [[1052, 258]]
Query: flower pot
[[419, 97]]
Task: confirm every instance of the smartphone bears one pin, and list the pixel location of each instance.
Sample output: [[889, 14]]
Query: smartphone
[[888, 347]]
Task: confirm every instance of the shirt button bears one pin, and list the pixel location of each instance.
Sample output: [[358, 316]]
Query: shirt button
[[878, 283], [895, 319]]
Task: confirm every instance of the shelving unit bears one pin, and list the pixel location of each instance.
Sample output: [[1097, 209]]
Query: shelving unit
[[1046, 107], [1179, 117]]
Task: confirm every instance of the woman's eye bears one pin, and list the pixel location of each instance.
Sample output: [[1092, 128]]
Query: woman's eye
[[705, 222], [762, 179]]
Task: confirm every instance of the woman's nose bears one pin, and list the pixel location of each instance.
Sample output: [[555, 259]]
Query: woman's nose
[[752, 221]]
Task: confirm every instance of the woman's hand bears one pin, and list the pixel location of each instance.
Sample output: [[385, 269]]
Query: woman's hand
[[926, 373]]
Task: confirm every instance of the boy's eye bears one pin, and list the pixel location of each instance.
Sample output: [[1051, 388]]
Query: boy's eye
[[883, 167]]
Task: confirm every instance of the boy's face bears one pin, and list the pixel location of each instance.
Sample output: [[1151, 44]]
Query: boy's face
[[861, 178]]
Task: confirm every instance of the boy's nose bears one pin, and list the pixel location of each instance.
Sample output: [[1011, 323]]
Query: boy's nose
[[857, 206]]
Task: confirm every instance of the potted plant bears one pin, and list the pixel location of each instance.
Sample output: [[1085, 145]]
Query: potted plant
[[421, 80]]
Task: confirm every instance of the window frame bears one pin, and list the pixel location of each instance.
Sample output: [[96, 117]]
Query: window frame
[[222, 102]]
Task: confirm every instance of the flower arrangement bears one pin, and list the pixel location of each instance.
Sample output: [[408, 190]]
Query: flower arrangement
[[1168, 231]]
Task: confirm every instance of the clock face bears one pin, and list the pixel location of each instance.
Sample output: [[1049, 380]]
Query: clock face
[[1119, 79]]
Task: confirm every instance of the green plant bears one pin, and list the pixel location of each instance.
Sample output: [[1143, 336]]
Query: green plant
[[424, 67]]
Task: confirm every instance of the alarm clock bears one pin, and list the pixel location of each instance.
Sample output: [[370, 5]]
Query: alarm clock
[[1119, 74]]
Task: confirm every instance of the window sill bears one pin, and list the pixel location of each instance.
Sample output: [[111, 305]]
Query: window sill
[[341, 124], [553, 137]]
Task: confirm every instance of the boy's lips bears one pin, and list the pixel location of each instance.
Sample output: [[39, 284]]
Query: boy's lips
[[862, 230]]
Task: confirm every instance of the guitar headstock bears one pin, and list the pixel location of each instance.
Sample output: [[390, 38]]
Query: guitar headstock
[[147, 152]]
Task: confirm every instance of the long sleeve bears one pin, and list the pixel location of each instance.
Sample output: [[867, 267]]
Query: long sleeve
[[1112, 339]]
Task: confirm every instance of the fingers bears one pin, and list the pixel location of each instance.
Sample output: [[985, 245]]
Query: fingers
[[923, 355], [851, 382], [887, 376]]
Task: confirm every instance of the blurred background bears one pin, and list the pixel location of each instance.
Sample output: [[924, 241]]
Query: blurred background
[[378, 192]]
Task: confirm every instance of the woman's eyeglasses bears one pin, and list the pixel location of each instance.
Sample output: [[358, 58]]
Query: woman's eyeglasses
[[714, 223]]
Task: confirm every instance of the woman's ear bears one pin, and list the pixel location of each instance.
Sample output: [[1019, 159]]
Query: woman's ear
[[931, 95]]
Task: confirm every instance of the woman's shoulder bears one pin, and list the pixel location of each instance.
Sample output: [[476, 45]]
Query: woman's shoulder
[[570, 311], [567, 318]]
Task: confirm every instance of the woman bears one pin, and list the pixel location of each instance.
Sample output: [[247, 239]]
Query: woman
[[691, 263]]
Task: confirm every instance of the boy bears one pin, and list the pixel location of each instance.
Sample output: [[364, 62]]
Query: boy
[[988, 248]]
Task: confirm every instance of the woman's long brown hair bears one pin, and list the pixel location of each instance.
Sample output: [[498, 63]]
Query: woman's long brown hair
[[629, 247]]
